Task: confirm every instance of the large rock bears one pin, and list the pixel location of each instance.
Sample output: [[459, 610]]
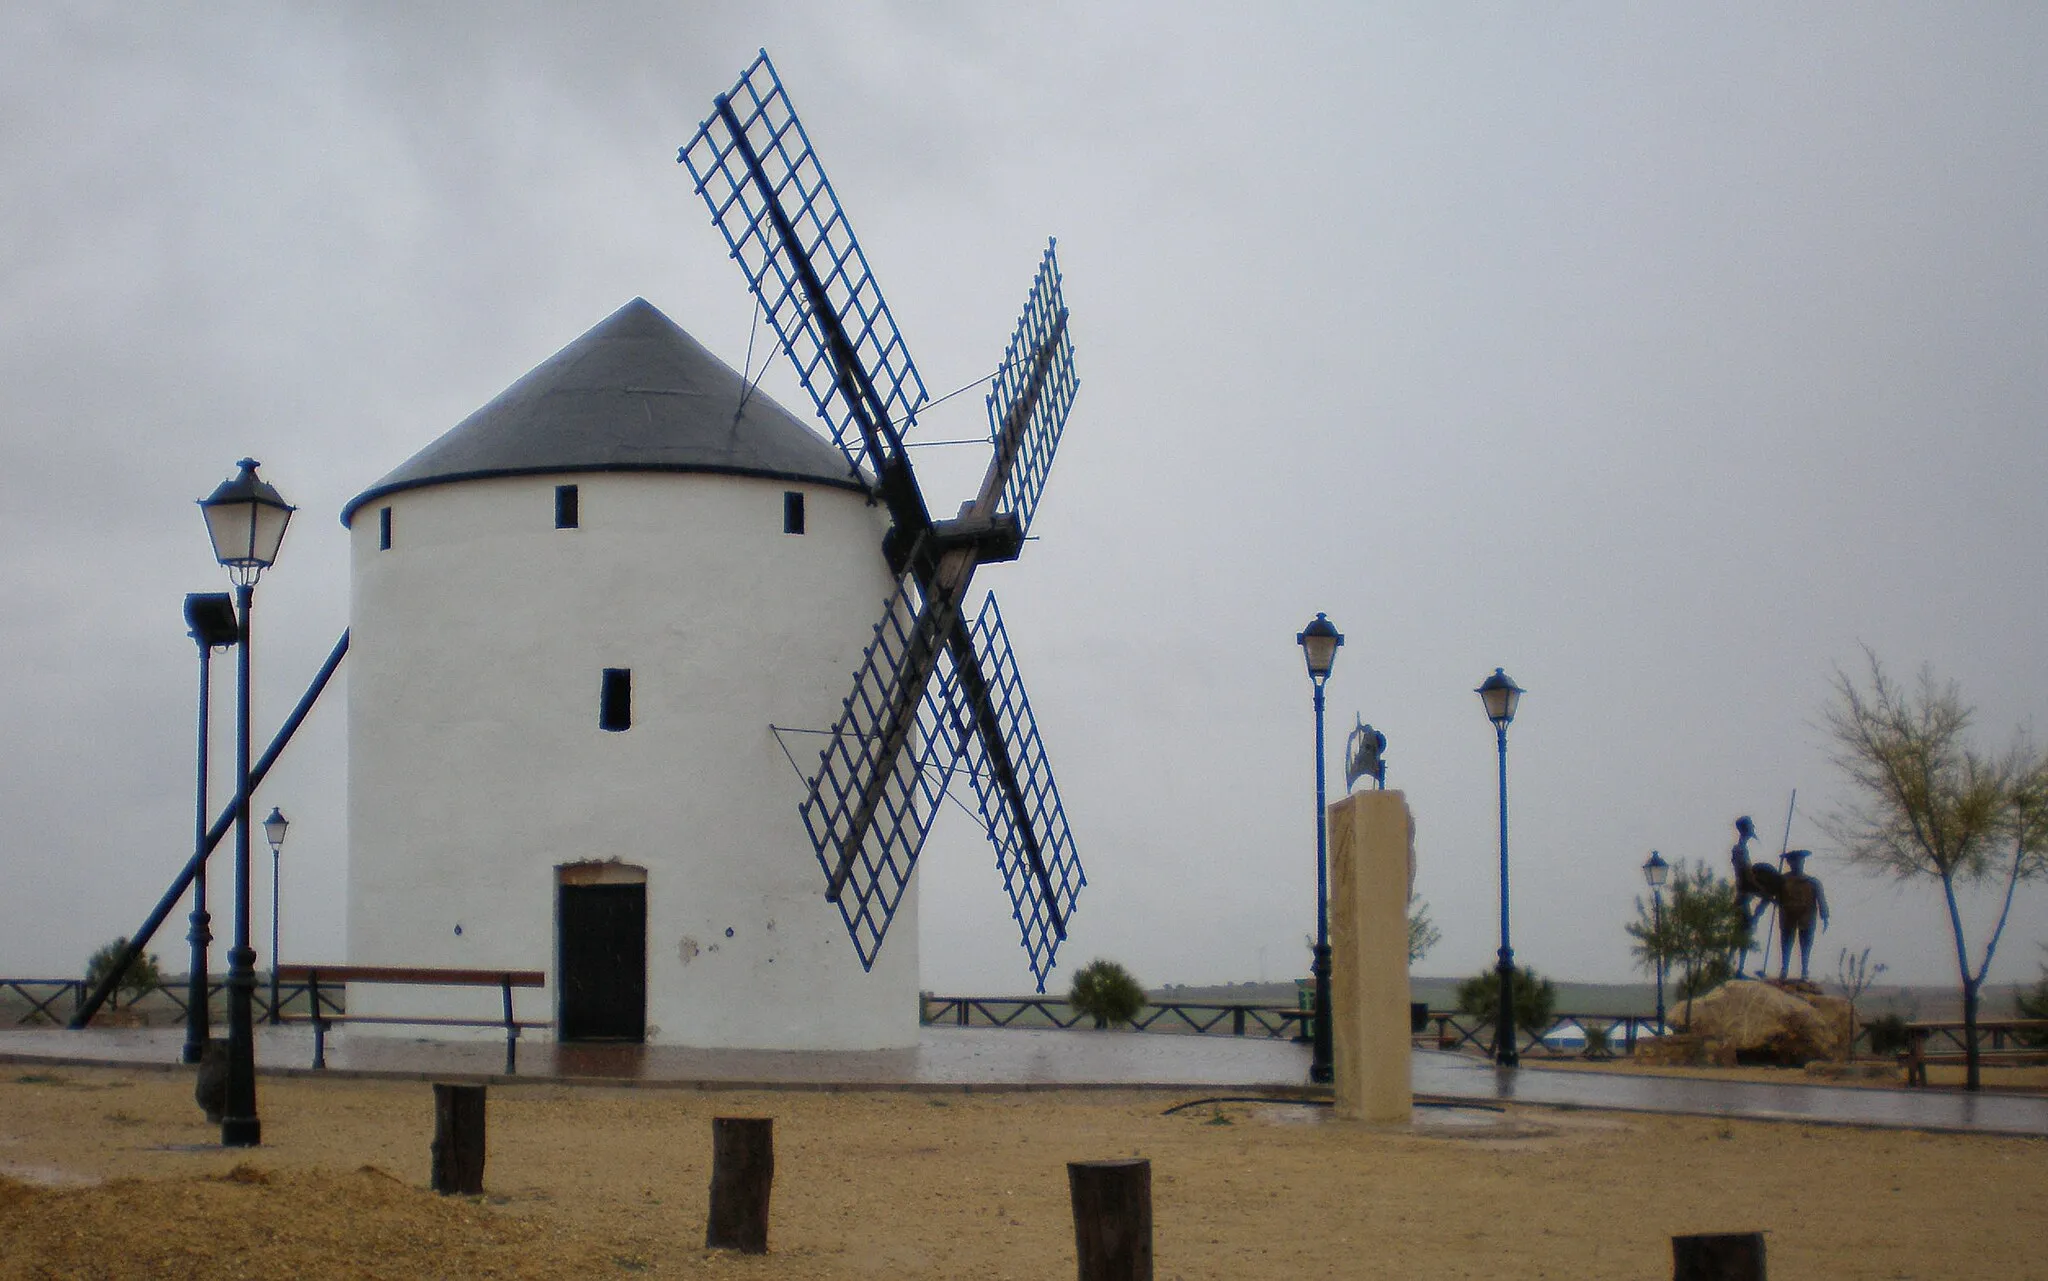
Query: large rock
[[1785, 1023]]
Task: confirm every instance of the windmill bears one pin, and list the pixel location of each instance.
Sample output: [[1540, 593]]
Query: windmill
[[935, 691]]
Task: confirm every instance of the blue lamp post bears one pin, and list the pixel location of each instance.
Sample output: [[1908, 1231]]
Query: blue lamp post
[[1655, 872], [211, 617], [1500, 695], [246, 520], [1319, 642], [273, 831]]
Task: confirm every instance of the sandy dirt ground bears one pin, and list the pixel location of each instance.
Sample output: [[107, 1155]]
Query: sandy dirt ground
[[112, 1173]]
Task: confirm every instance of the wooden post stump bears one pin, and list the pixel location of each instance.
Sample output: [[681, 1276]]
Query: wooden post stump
[[458, 1139], [1719, 1256], [742, 1176], [1112, 1219]]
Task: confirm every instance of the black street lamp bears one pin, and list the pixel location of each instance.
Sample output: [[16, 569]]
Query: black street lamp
[[211, 616], [1319, 642], [273, 831], [1655, 871], [1500, 695], [246, 520]]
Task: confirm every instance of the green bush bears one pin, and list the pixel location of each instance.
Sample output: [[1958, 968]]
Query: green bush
[[1535, 998], [1106, 992], [142, 974], [1887, 1034]]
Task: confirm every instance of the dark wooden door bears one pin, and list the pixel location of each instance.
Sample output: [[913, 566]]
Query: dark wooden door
[[603, 962]]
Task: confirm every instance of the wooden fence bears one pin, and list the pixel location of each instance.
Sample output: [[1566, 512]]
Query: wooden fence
[[35, 1002]]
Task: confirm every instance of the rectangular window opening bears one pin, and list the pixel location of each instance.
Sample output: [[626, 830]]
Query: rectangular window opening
[[793, 512], [615, 704], [383, 529], [565, 507]]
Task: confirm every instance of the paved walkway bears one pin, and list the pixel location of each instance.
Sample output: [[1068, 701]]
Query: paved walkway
[[1016, 1059]]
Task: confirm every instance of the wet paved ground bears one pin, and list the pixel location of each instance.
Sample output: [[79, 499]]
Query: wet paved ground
[[997, 1059]]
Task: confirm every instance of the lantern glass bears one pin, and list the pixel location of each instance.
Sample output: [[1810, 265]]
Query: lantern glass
[[1319, 642], [1500, 695], [274, 827], [1656, 871], [246, 520]]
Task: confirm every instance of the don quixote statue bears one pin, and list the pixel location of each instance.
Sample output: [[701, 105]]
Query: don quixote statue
[[1798, 897]]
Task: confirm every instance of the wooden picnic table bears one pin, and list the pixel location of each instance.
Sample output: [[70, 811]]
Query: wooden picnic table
[[2013, 1043]]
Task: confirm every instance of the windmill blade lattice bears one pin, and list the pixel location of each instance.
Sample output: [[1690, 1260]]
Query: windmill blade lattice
[[1042, 875], [932, 689], [1033, 390], [769, 197], [885, 768]]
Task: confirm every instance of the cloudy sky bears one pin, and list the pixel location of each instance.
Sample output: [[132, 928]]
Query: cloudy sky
[[1662, 356]]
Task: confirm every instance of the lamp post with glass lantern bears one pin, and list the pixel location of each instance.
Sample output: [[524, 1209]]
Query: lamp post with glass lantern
[[1319, 642], [273, 831], [211, 617], [1500, 695], [1654, 872], [246, 520]]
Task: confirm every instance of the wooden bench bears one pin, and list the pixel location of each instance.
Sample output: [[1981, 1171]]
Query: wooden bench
[[1916, 1056], [334, 975]]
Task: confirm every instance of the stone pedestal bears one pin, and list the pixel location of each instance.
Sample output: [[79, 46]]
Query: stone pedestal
[[1372, 865]]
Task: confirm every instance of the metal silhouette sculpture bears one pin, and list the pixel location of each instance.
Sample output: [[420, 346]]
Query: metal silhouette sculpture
[[1756, 888], [1797, 896], [1365, 756], [1800, 900], [937, 689]]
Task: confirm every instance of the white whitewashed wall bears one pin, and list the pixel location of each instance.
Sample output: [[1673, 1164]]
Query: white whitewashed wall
[[477, 767]]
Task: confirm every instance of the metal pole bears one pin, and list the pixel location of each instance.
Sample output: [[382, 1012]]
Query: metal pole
[[162, 911], [1504, 1054], [1657, 898], [274, 1018], [201, 933], [1320, 1067], [239, 1126]]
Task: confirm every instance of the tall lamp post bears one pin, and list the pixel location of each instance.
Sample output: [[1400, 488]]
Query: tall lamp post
[[1500, 695], [1319, 642], [1654, 872], [246, 520], [211, 616], [273, 831]]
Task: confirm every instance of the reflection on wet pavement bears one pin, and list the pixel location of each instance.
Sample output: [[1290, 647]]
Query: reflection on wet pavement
[[1002, 1058]]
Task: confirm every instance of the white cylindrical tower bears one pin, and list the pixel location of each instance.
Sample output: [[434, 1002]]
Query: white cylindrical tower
[[574, 619]]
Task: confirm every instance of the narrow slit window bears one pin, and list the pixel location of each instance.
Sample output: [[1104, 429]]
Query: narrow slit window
[[565, 507], [793, 511], [615, 704], [383, 529]]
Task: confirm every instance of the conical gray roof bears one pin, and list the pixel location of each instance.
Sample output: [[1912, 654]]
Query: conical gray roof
[[635, 393]]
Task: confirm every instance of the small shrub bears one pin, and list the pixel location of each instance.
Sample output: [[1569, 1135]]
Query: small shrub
[[142, 974], [1535, 998], [1599, 1040], [1887, 1034], [1106, 993]]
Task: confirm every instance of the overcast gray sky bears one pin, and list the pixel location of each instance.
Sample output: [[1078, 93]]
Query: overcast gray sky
[[1660, 355]]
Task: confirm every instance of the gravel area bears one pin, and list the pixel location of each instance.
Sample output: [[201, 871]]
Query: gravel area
[[113, 1173]]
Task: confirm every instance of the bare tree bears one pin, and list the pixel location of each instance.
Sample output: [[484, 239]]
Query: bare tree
[[1854, 973], [1930, 806]]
